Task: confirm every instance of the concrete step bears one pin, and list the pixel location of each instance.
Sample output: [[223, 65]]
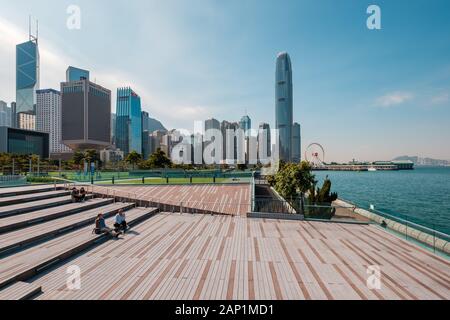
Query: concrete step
[[16, 240], [16, 191], [32, 218], [20, 291], [23, 198], [22, 208], [33, 261]]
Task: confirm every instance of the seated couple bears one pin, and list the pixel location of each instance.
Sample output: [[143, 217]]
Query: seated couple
[[78, 195], [120, 225]]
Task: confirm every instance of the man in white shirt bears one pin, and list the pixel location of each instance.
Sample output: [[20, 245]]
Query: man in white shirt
[[120, 223]]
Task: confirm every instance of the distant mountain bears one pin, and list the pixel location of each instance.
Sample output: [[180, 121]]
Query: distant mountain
[[154, 125], [418, 161]]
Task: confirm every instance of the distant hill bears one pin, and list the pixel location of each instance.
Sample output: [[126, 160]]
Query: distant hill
[[418, 161], [154, 125]]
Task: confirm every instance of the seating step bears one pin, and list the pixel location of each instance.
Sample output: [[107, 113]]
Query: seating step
[[12, 241], [20, 291], [15, 191], [13, 223], [7, 201], [33, 261], [22, 208]]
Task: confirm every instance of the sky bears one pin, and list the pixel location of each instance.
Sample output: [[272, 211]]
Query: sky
[[363, 94]]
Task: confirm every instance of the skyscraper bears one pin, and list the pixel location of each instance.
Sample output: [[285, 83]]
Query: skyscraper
[[128, 121], [49, 119], [76, 74], [264, 139], [13, 115], [284, 105], [296, 143], [146, 141], [113, 129], [246, 124], [5, 115], [86, 115], [27, 82]]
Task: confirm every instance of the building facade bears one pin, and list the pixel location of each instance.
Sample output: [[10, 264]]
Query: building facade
[[49, 119], [86, 115], [76, 74], [296, 143], [128, 121], [24, 142], [5, 115], [284, 105], [246, 124], [27, 82]]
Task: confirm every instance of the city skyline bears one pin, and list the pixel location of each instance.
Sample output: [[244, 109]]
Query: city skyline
[[362, 94]]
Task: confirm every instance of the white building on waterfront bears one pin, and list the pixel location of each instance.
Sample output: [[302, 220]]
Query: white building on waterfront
[[48, 119]]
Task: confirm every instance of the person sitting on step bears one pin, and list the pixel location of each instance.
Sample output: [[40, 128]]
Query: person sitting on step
[[100, 227], [121, 223], [82, 195], [75, 194]]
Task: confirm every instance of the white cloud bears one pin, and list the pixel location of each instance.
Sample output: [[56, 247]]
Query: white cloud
[[393, 99], [440, 99], [171, 111]]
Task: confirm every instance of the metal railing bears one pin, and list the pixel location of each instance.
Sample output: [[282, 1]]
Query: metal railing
[[12, 180]]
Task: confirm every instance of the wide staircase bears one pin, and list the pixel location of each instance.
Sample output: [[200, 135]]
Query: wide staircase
[[40, 227]]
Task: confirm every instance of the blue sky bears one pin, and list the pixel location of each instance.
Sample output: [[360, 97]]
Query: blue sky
[[363, 94]]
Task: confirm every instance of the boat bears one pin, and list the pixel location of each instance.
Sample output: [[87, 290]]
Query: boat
[[372, 169]]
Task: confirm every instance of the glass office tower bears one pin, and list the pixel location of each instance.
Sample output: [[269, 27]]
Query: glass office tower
[[27, 79], [284, 105], [296, 143], [128, 121], [246, 124], [76, 74]]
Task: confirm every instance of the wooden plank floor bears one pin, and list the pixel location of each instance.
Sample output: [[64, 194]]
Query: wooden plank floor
[[4, 201], [42, 214], [25, 189], [22, 235], [226, 199], [31, 257], [173, 256]]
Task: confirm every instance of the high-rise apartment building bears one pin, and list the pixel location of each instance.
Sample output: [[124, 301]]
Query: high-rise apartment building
[[49, 119]]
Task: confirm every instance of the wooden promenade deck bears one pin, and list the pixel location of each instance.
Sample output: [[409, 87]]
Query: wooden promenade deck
[[172, 256], [226, 199], [201, 256]]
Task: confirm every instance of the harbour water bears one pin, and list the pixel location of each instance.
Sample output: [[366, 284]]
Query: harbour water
[[421, 195]]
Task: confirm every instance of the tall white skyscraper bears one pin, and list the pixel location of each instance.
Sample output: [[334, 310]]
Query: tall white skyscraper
[[48, 118]]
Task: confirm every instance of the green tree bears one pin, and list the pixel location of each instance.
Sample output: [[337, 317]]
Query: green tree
[[133, 158], [294, 180], [158, 160], [323, 198]]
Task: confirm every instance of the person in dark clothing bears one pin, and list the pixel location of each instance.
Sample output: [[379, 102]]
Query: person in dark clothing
[[82, 195], [75, 194], [100, 227]]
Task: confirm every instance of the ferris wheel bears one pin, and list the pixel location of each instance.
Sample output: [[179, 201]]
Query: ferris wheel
[[315, 155]]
